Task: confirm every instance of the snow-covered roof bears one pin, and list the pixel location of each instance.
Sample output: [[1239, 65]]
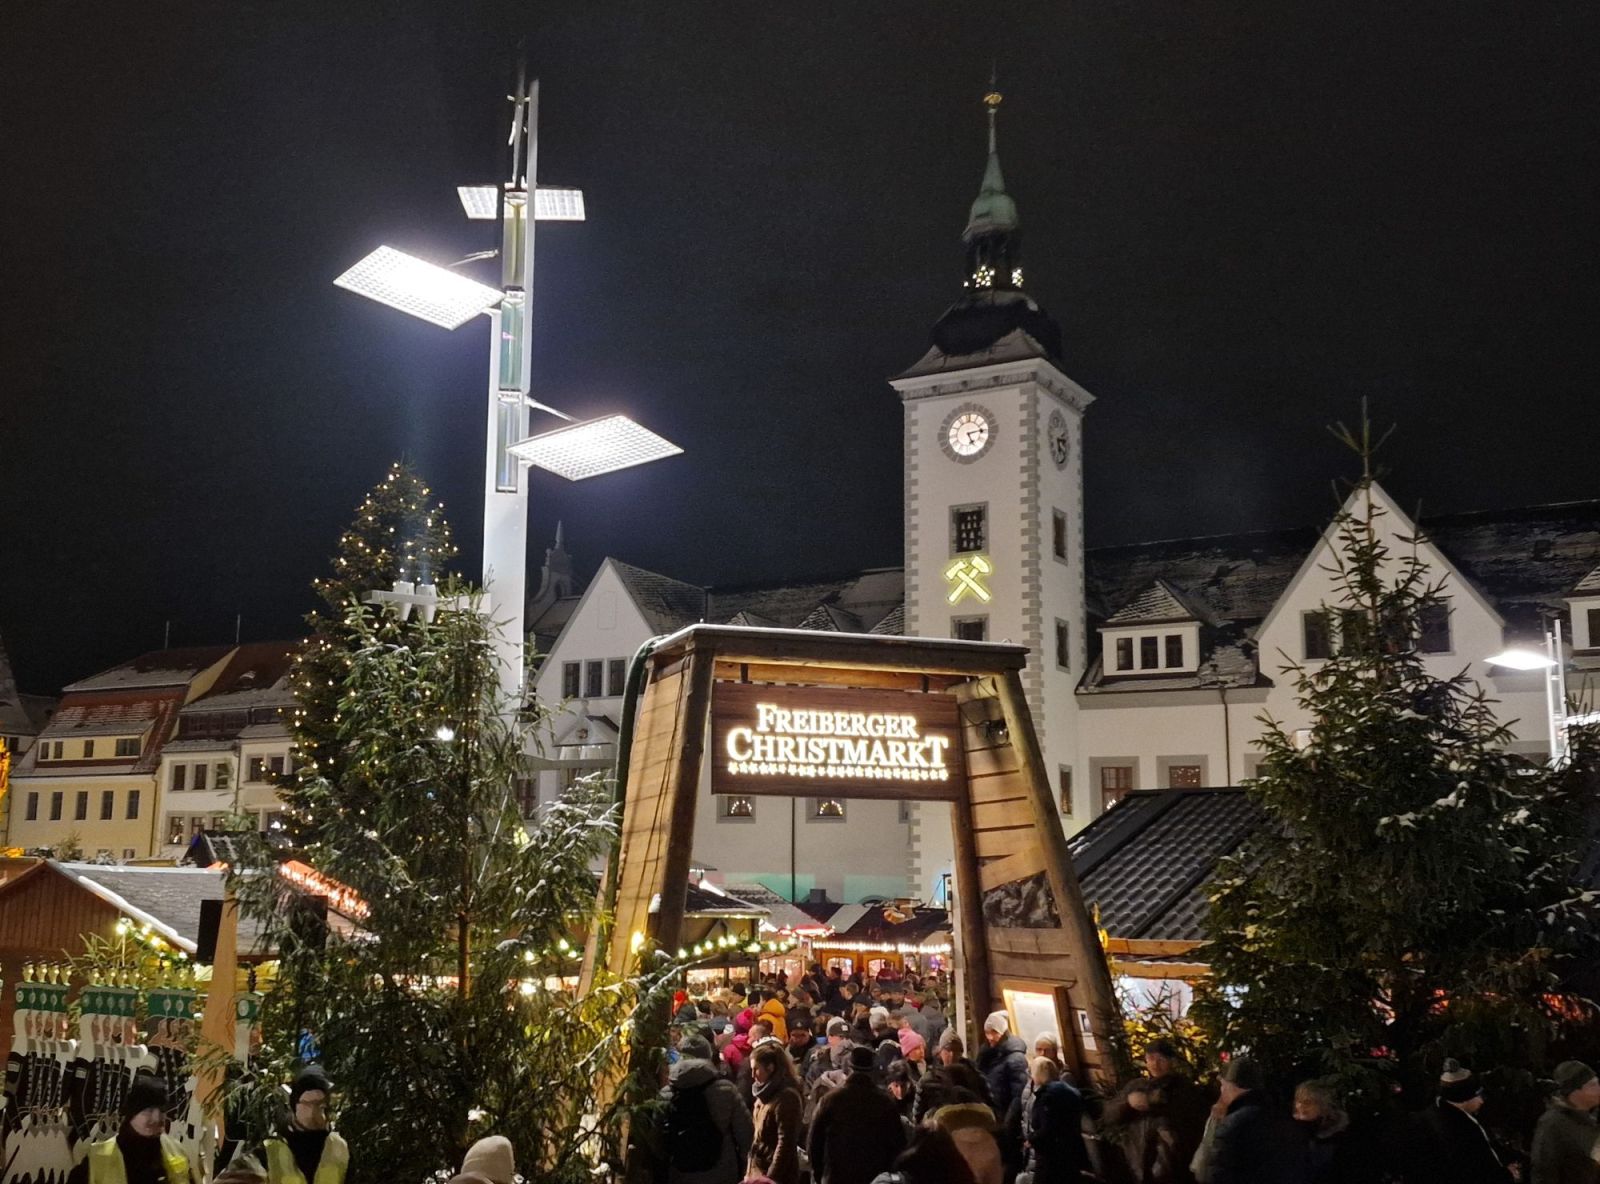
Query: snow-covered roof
[[160, 668]]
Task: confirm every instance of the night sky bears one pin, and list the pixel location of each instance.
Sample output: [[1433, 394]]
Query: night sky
[[1244, 216]]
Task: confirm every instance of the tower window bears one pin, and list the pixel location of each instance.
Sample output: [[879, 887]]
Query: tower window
[[969, 628], [968, 528], [1058, 534], [571, 672], [1063, 647]]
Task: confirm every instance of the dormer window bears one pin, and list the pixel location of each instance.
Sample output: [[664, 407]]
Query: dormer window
[[1158, 651]]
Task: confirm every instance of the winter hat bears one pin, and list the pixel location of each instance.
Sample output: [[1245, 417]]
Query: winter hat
[[1244, 1073], [878, 1016], [1571, 1076], [948, 1037], [492, 1158], [862, 1059], [837, 1027], [311, 1078], [998, 1021], [694, 1047], [962, 1116], [1458, 1084], [909, 1040], [146, 1093]]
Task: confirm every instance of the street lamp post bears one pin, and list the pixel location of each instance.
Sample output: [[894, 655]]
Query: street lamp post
[[446, 298], [1552, 664]]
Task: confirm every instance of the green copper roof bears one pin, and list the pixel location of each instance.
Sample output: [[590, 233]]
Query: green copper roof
[[994, 210]]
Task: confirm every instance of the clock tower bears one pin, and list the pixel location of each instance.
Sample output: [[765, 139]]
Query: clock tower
[[994, 495]]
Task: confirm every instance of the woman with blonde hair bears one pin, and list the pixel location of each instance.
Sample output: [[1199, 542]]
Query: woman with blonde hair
[[775, 1150]]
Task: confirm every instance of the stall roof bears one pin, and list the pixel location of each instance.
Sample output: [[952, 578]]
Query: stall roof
[[781, 914]]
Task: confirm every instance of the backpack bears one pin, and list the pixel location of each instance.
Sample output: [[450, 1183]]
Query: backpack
[[692, 1135]]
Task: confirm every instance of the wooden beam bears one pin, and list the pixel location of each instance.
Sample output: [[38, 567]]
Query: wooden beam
[[682, 785], [860, 651], [969, 896], [1093, 991]]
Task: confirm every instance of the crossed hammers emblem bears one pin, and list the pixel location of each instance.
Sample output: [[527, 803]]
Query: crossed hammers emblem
[[965, 577]]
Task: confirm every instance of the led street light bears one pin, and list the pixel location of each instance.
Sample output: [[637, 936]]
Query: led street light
[[482, 202], [593, 447], [420, 288], [558, 205], [1521, 660]]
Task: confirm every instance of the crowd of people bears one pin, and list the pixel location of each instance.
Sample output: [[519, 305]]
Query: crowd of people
[[844, 1080]]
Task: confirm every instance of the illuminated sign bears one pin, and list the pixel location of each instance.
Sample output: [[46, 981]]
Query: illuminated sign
[[848, 743], [965, 577]]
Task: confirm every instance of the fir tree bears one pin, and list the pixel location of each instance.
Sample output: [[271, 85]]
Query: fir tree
[[1409, 895], [436, 1005], [398, 534]]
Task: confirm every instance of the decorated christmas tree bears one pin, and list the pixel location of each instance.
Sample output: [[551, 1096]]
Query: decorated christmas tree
[[399, 533], [1410, 893]]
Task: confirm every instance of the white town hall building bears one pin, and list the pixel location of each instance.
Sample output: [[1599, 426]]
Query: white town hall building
[[1150, 665]]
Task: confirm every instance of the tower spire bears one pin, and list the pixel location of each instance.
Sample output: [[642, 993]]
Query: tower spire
[[993, 243]]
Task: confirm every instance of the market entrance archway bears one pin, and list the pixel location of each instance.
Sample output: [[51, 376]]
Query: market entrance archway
[[794, 713]]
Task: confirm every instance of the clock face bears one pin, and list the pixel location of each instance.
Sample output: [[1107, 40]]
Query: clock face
[[968, 433], [1056, 435]]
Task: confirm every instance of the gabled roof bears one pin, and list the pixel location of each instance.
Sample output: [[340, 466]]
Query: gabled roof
[[1589, 585], [781, 914], [165, 898], [1144, 862], [1015, 345], [159, 668], [84, 715], [1160, 602], [257, 675], [893, 625], [889, 925], [1238, 577], [20, 715], [665, 603], [828, 619]]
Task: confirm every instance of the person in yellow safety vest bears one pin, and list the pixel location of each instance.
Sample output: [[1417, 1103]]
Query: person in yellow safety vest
[[141, 1152], [307, 1152]]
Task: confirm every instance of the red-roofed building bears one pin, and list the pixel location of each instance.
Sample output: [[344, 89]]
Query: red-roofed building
[[90, 780]]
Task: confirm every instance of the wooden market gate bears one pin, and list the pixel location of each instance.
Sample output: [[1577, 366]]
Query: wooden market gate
[[800, 713]]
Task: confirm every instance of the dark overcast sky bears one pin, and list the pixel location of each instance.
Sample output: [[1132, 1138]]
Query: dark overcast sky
[[1244, 216]]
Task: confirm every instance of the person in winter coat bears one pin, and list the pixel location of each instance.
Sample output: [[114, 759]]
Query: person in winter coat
[[141, 1152], [307, 1152], [1252, 1142], [1451, 1146], [705, 1132], [1566, 1143], [775, 1147], [930, 1158], [972, 1126], [1003, 1061], [776, 1016], [1155, 1122], [1332, 1155], [934, 1016], [856, 1132], [1054, 1124]]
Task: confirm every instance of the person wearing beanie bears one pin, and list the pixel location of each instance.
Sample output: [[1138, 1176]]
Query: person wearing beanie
[[307, 1151], [1566, 1143], [1003, 1061], [141, 1152], [1252, 1142], [1451, 1145], [488, 1161], [856, 1131], [704, 1132]]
